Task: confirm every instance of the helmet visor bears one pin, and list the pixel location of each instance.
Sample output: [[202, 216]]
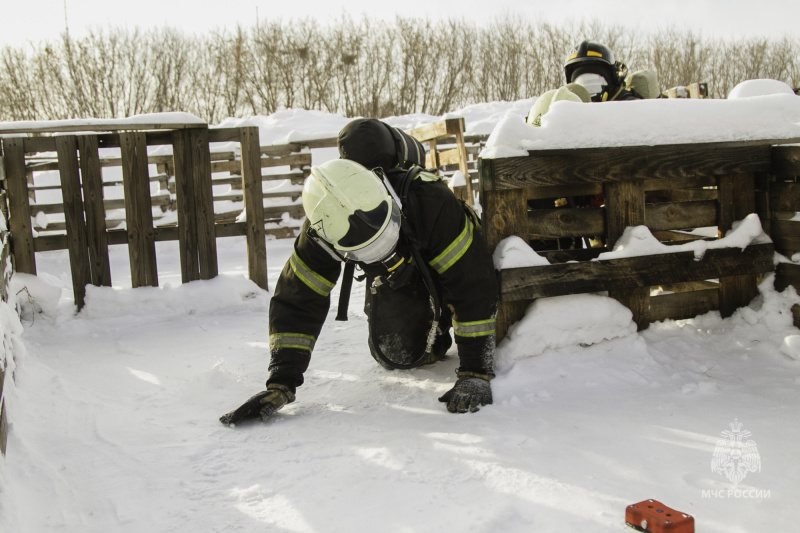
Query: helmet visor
[[594, 83], [379, 246]]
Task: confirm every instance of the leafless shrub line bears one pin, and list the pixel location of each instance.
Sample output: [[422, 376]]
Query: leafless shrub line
[[351, 67]]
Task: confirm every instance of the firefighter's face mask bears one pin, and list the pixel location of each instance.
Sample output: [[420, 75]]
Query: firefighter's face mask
[[367, 227], [595, 84]]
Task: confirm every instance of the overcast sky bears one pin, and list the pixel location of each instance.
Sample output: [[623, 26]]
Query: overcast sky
[[38, 20]]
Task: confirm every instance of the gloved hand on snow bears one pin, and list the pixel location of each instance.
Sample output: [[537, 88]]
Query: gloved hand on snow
[[470, 392], [263, 405]]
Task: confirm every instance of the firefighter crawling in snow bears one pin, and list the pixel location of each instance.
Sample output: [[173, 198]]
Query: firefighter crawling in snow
[[426, 264]]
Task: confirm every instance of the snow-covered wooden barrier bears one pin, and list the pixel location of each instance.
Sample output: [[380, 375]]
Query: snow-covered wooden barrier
[[781, 203], [82, 189], [5, 275], [671, 189]]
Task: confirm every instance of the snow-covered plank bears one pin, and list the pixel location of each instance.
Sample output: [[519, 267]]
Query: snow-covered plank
[[150, 121], [643, 271], [666, 162]]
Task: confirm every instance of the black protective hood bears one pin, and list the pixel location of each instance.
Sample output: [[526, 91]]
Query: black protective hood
[[369, 142]]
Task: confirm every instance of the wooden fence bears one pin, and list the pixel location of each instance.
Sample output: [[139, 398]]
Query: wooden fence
[[87, 237], [185, 181], [670, 189], [4, 278]]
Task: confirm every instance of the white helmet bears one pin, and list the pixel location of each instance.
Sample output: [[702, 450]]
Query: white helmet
[[348, 206]]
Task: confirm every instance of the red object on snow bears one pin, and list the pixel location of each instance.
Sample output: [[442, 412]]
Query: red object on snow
[[655, 517]]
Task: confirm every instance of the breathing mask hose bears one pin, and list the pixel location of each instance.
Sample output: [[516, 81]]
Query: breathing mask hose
[[428, 280], [344, 292]]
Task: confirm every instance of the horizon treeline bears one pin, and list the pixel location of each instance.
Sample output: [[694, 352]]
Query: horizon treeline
[[361, 67]]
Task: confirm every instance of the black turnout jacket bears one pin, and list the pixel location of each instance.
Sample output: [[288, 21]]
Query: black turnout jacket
[[448, 239]]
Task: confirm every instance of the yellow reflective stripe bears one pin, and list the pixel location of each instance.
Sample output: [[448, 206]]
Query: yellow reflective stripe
[[314, 281], [402, 260], [453, 253], [593, 53], [479, 328], [300, 341], [427, 176]]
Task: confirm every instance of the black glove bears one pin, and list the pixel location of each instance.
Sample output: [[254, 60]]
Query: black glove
[[264, 404], [470, 391]]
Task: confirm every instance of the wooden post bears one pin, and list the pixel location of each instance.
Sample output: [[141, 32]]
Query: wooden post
[[204, 202], [433, 155], [462, 159], [97, 239], [19, 210], [67, 150], [254, 206], [625, 208], [736, 201], [505, 214], [138, 210], [184, 192]]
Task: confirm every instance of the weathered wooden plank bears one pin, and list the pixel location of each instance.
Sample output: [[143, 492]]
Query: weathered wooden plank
[[680, 215], [254, 207], [65, 127], [686, 182], [509, 217], [330, 142], [646, 271], [565, 222], [138, 210], [441, 128], [281, 150], [19, 211], [784, 196], [736, 292], [204, 203], [787, 274], [565, 166], [675, 236], [578, 254], [92, 181], [786, 235], [294, 160], [222, 135], [736, 201], [562, 191], [681, 195], [682, 305], [184, 193], [114, 203], [67, 150], [295, 211], [786, 160], [624, 207], [238, 197], [295, 176], [457, 129]]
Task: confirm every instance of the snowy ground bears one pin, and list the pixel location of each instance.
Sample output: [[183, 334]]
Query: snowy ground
[[114, 420], [113, 416]]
